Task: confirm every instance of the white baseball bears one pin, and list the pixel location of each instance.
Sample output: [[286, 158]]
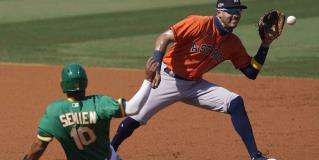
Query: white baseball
[[291, 20]]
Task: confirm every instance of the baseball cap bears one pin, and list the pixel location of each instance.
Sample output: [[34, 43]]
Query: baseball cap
[[229, 4]]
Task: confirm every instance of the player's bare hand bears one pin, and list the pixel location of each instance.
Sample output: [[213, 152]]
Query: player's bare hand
[[157, 80], [150, 69]]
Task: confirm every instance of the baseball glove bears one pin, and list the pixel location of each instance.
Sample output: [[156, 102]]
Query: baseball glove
[[271, 25]]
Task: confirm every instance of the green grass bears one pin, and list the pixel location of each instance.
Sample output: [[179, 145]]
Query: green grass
[[121, 33], [21, 10]]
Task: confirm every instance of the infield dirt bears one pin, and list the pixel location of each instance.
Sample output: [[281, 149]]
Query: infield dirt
[[284, 113]]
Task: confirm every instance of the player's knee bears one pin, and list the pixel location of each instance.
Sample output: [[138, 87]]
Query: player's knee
[[237, 106], [141, 119]]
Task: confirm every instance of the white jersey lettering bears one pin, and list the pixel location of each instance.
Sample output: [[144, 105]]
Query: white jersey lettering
[[72, 118]]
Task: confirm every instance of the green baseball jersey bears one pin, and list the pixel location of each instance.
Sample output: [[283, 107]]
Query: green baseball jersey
[[82, 127]]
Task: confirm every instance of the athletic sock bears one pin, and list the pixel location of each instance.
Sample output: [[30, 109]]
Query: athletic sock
[[242, 125], [125, 129]]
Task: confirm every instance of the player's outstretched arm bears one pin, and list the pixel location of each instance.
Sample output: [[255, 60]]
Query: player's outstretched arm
[[161, 44], [37, 149], [137, 101], [270, 27]]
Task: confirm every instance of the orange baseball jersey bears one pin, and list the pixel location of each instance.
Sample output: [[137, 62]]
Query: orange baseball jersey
[[200, 46]]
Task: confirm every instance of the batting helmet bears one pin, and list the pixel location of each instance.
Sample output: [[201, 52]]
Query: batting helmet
[[73, 78]]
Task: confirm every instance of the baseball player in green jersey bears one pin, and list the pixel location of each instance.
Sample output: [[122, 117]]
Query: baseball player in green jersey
[[81, 123]]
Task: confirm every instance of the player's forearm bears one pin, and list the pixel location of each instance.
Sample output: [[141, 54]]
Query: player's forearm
[[252, 70], [34, 156], [37, 149], [161, 44], [259, 59], [137, 101]]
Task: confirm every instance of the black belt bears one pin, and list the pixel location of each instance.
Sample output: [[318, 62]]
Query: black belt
[[171, 73]]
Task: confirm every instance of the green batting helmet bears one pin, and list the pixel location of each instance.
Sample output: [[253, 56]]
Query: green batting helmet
[[73, 78]]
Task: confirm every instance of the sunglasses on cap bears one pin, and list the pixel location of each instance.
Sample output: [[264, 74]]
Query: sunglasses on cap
[[232, 11]]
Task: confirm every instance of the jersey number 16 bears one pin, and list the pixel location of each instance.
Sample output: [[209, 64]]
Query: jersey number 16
[[82, 136]]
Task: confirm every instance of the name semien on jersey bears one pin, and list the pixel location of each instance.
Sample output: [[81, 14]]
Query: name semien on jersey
[[73, 118]]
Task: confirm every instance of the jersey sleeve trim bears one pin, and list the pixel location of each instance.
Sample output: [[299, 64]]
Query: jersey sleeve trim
[[120, 102], [71, 99], [45, 139]]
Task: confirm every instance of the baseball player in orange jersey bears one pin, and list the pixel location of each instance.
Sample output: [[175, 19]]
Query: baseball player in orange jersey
[[199, 43]]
